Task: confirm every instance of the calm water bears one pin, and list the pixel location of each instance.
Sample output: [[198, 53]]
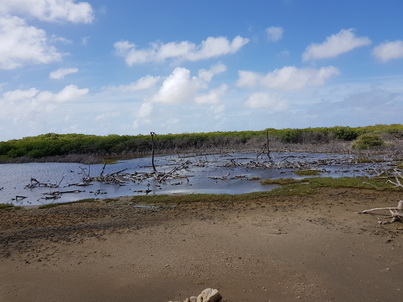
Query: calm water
[[238, 168]]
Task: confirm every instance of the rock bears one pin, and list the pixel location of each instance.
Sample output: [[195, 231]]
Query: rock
[[209, 295]]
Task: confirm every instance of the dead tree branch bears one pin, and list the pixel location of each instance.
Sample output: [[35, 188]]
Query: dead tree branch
[[396, 213]]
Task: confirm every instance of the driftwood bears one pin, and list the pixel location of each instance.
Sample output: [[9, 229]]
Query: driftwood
[[396, 213], [34, 183], [112, 178], [397, 182], [171, 174], [57, 194], [224, 177]]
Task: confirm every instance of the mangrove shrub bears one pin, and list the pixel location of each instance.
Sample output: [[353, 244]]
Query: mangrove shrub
[[368, 141]]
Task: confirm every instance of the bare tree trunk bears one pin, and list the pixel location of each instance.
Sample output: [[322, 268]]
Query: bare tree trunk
[[153, 151], [268, 146]]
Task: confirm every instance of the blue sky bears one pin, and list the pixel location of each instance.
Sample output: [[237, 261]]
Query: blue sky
[[174, 66]]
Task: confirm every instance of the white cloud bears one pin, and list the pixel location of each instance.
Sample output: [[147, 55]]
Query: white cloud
[[18, 94], [287, 78], [178, 87], [213, 96], [266, 100], [185, 50], [207, 75], [217, 46], [22, 44], [274, 33], [32, 111], [61, 73], [58, 39], [249, 78], [143, 83], [31, 108], [342, 42], [143, 115], [389, 50], [49, 10], [67, 94], [34, 96], [145, 110]]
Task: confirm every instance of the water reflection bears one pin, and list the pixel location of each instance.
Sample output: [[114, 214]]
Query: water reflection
[[234, 173]]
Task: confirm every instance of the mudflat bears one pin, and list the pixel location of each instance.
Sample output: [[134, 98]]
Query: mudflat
[[279, 248]]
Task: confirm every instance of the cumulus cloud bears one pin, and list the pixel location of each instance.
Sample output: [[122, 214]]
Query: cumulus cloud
[[31, 107], [185, 50], [334, 45], [178, 87], [389, 51], [35, 96], [274, 33], [61, 73], [32, 111], [213, 96], [49, 10], [287, 78], [266, 100], [22, 44]]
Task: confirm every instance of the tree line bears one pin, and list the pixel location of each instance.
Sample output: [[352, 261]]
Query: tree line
[[52, 144]]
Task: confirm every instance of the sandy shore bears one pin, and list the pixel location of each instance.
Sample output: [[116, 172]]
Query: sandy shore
[[299, 248]]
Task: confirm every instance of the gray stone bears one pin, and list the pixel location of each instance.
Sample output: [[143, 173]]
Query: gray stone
[[209, 295]]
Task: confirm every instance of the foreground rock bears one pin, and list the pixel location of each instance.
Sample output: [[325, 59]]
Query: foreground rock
[[208, 295]]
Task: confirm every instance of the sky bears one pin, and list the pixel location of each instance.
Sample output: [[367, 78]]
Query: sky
[[130, 67]]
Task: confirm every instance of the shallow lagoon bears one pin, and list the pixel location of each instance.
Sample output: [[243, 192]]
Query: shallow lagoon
[[233, 173]]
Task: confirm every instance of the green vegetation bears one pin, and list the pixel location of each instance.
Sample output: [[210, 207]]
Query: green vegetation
[[185, 198], [307, 172], [289, 186], [56, 204], [8, 207], [114, 146], [310, 185], [368, 141], [280, 181]]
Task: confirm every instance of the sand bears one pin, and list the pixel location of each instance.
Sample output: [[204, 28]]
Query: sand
[[295, 248]]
